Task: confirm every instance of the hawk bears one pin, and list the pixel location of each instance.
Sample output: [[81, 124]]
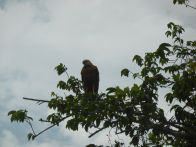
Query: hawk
[[90, 77]]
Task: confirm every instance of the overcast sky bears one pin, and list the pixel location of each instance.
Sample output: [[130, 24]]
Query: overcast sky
[[37, 35]]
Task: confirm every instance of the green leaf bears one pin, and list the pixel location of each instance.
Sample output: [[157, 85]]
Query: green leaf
[[11, 112], [72, 124], [106, 124], [174, 2], [138, 60], [176, 77], [168, 33], [145, 71], [60, 69], [135, 75], [98, 122], [170, 25], [86, 127], [135, 140], [127, 91], [111, 90], [33, 137], [163, 47], [53, 93], [125, 72], [18, 116], [134, 90], [174, 107], [29, 136], [62, 85], [169, 97]]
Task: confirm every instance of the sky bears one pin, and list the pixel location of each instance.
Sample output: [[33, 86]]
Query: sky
[[37, 35]]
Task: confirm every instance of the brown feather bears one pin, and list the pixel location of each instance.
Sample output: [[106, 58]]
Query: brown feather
[[90, 79]]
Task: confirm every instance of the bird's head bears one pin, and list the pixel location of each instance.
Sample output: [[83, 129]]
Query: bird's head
[[87, 62]]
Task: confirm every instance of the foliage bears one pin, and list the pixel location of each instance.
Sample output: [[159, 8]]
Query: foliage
[[183, 2], [134, 111], [19, 116], [180, 1]]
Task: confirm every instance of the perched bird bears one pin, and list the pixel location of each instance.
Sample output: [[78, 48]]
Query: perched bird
[[90, 77]]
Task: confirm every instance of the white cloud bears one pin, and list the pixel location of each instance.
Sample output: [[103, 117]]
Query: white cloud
[[8, 139]]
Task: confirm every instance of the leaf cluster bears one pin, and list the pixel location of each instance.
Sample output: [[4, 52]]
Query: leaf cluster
[[19, 116]]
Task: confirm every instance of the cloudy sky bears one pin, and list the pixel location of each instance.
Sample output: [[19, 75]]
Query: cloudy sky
[[37, 35]]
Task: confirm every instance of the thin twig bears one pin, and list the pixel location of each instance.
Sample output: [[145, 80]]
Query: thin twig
[[67, 74], [44, 120], [137, 76], [52, 125], [31, 126], [122, 131], [187, 5]]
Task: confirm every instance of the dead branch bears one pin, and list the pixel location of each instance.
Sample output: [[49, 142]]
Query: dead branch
[[37, 100]]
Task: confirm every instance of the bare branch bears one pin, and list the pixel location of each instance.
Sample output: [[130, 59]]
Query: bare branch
[[67, 74], [44, 120], [96, 132], [45, 130], [31, 126], [122, 131], [37, 100], [52, 125], [187, 5]]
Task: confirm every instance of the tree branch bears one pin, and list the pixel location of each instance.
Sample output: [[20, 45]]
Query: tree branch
[[44, 120], [52, 125], [122, 131], [31, 126], [38, 100], [188, 131], [96, 132], [45, 130], [187, 5]]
